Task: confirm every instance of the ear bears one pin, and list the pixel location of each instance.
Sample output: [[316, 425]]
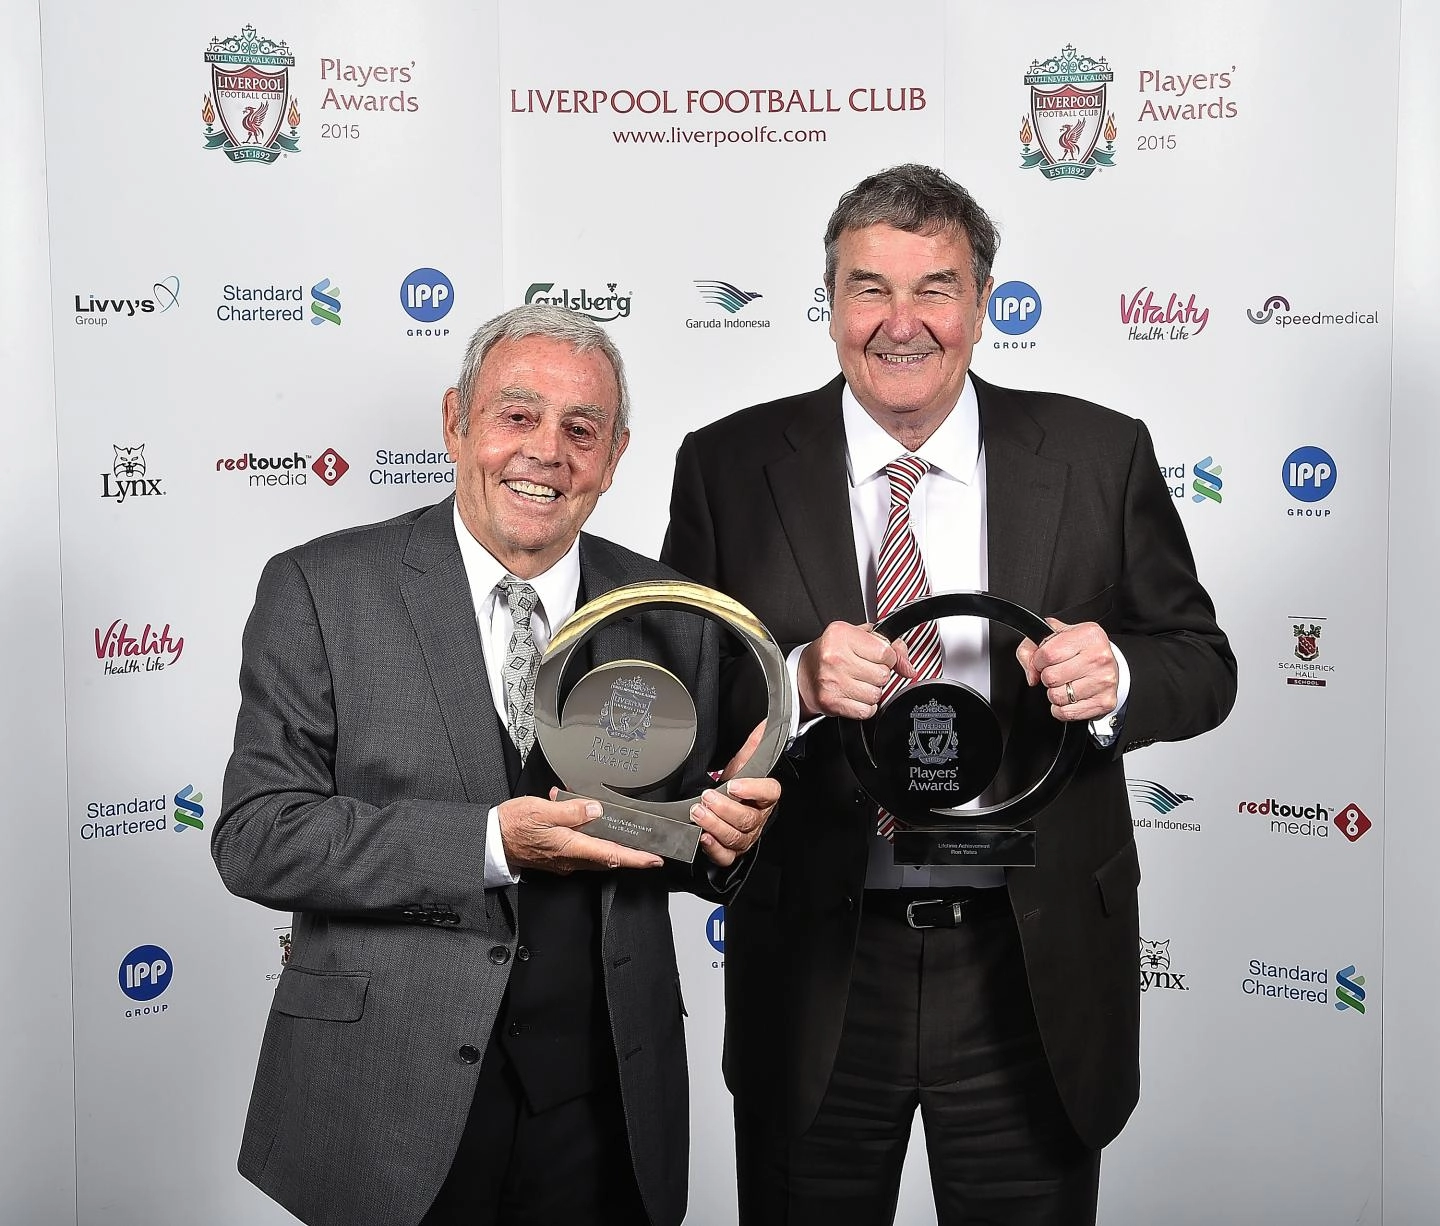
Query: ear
[[620, 444], [450, 422], [984, 309]]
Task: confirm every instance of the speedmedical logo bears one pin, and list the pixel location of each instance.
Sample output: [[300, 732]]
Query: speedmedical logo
[[427, 295], [1276, 310], [1309, 475], [145, 973], [1014, 309]]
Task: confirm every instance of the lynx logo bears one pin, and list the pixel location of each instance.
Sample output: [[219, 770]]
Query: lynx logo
[[427, 296], [250, 83], [1067, 104], [1308, 475], [126, 478], [1349, 990], [144, 974], [715, 934], [1155, 969], [1014, 309]]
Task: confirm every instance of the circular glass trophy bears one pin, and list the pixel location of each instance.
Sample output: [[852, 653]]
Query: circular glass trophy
[[627, 725], [936, 745]]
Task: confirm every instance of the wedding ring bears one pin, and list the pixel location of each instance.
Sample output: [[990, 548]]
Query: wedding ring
[[1069, 693]]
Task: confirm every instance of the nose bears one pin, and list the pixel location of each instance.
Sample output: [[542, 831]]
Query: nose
[[545, 443], [901, 323]]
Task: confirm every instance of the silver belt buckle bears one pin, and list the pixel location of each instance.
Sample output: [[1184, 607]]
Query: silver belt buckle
[[956, 909]]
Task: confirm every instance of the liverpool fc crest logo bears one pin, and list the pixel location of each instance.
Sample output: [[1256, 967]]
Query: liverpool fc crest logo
[[250, 96], [1067, 108], [626, 716], [932, 734]]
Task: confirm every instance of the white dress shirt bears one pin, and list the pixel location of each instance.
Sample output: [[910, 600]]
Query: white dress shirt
[[557, 590], [948, 518]]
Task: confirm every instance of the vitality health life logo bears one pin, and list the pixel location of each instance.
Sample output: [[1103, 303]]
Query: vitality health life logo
[[1067, 106], [1207, 484], [325, 304], [188, 809], [250, 88], [1349, 990]]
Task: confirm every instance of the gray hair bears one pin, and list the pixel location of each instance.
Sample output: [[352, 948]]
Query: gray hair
[[540, 319], [918, 200]]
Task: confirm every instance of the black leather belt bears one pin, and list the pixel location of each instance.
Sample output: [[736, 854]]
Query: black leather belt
[[940, 908]]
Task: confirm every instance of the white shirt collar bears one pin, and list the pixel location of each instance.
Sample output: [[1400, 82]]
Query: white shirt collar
[[557, 587], [954, 448]]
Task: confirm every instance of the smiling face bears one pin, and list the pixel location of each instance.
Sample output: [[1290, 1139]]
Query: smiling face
[[539, 451], [905, 319]]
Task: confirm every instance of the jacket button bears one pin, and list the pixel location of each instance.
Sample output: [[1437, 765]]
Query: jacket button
[[499, 955], [849, 902], [860, 797], [515, 1029], [468, 1054], [523, 953]]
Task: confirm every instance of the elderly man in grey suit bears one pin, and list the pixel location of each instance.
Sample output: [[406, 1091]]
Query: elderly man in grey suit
[[480, 1021]]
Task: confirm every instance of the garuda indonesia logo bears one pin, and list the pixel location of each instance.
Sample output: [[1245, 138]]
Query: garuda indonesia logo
[[932, 734], [250, 88], [626, 716], [1067, 107]]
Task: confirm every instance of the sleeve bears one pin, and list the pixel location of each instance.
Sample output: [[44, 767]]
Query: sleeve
[[1182, 670], [285, 837]]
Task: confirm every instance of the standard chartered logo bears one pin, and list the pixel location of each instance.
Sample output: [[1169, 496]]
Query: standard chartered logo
[[188, 809], [326, 305], [1349, 990], [1207, 483]]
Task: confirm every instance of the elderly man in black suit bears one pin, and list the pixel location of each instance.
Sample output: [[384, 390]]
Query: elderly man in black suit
[[1003, 1002]]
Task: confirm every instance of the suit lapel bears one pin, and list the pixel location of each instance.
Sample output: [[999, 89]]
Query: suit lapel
[[810, 488], [436, 592]]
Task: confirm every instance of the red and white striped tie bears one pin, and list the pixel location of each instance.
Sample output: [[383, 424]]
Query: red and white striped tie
[[899, 579]]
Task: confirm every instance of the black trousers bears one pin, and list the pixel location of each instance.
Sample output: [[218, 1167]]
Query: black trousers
[[569, 1164], [940, 1019]]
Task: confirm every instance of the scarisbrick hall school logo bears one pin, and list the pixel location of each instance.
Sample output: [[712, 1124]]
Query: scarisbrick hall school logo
[[250, 95], [1067, 108]]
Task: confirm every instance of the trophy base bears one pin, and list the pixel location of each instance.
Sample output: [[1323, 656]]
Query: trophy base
[[975, 847], [665, 836]]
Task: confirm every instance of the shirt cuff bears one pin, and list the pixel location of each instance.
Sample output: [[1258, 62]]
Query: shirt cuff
[[1107, 727], [497, 868], [792, 666]]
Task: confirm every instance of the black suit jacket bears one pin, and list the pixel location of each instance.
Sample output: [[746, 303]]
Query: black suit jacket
[[1081, 527], [367, 753]]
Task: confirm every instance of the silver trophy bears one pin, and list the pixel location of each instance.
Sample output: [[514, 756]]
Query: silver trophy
[[627, 725]]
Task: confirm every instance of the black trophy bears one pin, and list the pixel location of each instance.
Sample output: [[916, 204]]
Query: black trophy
[[936, 745]]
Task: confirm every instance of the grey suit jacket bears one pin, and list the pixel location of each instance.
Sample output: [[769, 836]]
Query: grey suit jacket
[[367, 754]]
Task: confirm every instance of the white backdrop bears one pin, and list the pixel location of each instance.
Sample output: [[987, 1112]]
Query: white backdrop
[[621, 157]]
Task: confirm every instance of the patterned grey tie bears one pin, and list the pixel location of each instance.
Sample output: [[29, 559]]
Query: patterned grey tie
[[521, 662]]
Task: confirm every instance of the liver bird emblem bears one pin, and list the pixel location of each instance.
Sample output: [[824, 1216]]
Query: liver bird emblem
[[255, 123], [1069, 139]]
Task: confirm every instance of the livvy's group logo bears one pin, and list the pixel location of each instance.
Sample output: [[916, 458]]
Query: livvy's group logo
[[1152, 318], [250, 96], [97, 310], [1068, 115], [127, 477], [602, 308], [732, 300], [123, 651], [1304, 666]]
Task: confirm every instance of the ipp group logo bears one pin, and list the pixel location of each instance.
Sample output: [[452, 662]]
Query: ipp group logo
[[427, 295], [97, 310], [732, 302], [603, 308], [1309, 475], [1067, 116], [128, 478], [145, 973], [1152, 803], [1014, 310], [250, 96], [715, 934]]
